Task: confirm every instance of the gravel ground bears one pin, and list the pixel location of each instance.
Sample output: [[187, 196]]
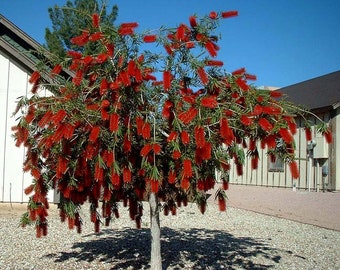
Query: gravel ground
[[236, 239]]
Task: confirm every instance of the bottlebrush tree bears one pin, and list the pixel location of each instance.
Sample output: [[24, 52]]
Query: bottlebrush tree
[[134, 123]]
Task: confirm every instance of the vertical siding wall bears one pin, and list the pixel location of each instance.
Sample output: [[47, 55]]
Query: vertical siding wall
[[13, 181], [13, 83], [310, 171]]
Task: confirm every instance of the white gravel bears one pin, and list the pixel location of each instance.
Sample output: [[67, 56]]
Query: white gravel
[[236, 239]]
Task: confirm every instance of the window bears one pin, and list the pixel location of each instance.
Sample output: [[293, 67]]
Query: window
[[275, 166]]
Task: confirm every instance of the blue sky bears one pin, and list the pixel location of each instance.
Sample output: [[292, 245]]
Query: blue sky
[[281, 41]]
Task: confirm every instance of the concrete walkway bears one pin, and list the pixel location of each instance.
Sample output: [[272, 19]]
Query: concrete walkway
[[316, 208]]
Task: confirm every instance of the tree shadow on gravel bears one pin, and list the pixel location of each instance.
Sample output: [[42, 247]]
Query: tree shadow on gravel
[[181, 249]]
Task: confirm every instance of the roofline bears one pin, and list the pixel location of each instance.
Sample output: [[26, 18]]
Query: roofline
[[16, 30]]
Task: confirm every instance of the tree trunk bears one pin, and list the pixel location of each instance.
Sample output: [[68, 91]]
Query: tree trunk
[[156, 259]]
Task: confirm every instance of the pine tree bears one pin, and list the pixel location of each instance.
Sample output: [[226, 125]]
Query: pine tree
[[69, 20], [131, 125]]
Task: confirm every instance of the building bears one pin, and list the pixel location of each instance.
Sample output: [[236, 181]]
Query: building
[[317, 160], [17, 62]]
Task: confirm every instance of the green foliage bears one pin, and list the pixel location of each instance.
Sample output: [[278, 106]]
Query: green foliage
[[69, 20]]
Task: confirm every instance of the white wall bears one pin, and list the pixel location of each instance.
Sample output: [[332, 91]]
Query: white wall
[[13, 181]]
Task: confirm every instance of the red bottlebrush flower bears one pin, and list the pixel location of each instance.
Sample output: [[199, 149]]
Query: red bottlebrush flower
[[189, 99], [292, 126], [125, 31], [129, 24], [146, 131], [139, 125], [225, 184], [185, 183], [61, 166], [203, 75], [94, 133], [308, 133], [74, 54], [199, 136], [250, 77], [187, 168], [114, 122], [39, 231], [213, 15], [95, 20], [225, 131], [127, 175], [254, 162], [105, 103], [97, 226], [172, 177], [239, 169], [167, 79], [45, 119], [101, 58], [29, 189], [146, 150], [265, 125], [245, 120], [258, 109], [275, 94], [176, 154], [109, 49], [98, 173], [185, 137], [149, 38], [96, 36], [81, 40], [203, 206], [286, 135], [271, 110], [154, 185], [206, 151], [156, 148], [190, 44], [172, 136], [328, 136], [260, 99], [131, 68], [242, 84], [209, 102], [193, 22], [103, 87], [239, 71], [56, 70], [78, 77], [124, 76], [115, 179], [126, 144], [35, 76], [294, 170], [36, 173], [222, 205], [168, 48], [180, 33], [252, 145], [270, 141], [200, 185], [188, 116], [58, 116], [211, 48], [229, 14], [105, 114], [216, 63]]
